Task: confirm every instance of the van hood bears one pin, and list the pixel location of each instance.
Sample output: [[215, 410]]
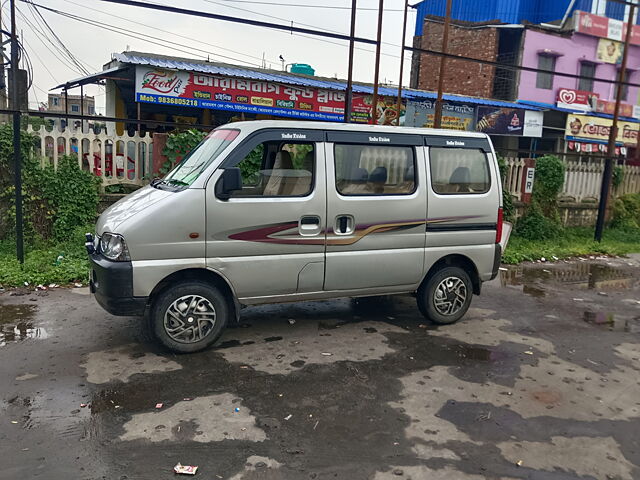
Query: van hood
[[129, 206]]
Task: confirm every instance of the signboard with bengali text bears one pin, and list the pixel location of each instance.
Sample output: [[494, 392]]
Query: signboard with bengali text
[[597, 129]]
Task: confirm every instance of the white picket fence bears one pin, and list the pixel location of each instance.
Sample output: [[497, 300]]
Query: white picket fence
[[115, 159], [582, 179]]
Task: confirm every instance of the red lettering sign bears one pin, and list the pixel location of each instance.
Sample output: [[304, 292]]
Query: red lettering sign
[[598, 26], [604, 106]]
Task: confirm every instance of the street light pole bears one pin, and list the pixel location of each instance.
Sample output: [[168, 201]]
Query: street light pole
[[437, 119], [374, 103], [348, 100], [17, 160], [613, 133], [404, 34]]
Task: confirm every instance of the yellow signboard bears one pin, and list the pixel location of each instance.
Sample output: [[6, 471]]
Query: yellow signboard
[[595, 128]]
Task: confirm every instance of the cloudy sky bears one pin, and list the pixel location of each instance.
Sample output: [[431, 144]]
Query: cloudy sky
[[187, 36]]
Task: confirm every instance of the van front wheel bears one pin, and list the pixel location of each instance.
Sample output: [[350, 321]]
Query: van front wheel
[[445, 297], [189, 317]]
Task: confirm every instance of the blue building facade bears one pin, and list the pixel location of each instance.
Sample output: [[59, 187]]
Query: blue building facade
[[514, 11]]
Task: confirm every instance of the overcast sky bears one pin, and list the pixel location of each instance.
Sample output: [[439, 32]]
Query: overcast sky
[[223, 41]]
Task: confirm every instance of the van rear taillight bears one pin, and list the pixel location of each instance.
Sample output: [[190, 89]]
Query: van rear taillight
[[499, 226]]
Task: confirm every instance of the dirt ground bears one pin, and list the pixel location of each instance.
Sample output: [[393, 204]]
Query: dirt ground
[[541, 380]]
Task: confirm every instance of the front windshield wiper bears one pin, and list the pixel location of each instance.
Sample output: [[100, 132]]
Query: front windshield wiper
[[175, 181], [171, 183]]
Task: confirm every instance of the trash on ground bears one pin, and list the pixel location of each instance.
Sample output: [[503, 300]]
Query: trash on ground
[[314, 427], [543, 259], [502, 269], [291, 321], [159, 405], [288, 417], [82, 405], [578, 299], [53, 285], [391, 318], [77, 285], [185, 469], [519, 463], [529, 352], [604, 294], [236, 410], [422, 325], [327, 354], [14, 422]]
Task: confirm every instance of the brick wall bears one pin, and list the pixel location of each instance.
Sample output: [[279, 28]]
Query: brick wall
[[461, 77]]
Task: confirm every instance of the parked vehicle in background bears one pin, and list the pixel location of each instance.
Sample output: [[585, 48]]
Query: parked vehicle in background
[[281, 211]]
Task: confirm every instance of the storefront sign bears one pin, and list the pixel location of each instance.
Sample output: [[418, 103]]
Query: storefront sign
[[605, 106], [218, 92], [597, 129], [588, 147], [610, 51], [604, 27], [455, 116], [576, 99], [509, 121]]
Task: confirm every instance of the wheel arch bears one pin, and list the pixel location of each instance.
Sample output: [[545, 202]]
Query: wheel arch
[[205, 275], [457, 260]]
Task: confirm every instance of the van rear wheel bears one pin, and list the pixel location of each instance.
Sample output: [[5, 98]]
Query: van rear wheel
[[445, 297], [189, 317]]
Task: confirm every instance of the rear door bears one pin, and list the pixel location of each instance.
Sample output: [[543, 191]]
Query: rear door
[[376, 210], [268, 238]]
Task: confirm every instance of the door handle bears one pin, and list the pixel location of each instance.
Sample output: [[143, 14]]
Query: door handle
[[309, 225], [345, 225]]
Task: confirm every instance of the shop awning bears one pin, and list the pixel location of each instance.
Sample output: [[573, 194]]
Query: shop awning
[[551, 106], [93, 78]]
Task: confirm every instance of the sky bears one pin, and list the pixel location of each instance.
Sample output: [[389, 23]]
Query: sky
[[93, 45]]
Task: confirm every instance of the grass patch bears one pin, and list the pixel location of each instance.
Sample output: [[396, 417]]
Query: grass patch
[[45, 263], [573, 242]]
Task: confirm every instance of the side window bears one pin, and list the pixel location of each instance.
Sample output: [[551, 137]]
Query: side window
[[276, 169], [374, 170], [459, 170]]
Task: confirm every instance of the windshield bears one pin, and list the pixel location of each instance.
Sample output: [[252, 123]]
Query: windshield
[[196, 161]]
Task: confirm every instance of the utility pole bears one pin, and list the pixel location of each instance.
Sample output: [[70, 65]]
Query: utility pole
[[348, 98], [17, 154], [376, 75], [613, 133], [404, 34], [3, 85], [437, 119]]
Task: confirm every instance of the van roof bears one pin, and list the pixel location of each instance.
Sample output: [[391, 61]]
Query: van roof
[[253, 125]]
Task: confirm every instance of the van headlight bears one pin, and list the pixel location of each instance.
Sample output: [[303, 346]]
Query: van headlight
[[113, 247]]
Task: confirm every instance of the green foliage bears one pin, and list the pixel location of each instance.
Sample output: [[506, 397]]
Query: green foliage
[[251, 164], [617, 176], [626, 211], [55, 202], [573, 242], [46, 262], [541, 220], [178, 145]]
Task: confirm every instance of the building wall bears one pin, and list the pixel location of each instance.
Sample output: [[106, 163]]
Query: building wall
[[573, 49], [461, 77], [56, 103], [507, 11]]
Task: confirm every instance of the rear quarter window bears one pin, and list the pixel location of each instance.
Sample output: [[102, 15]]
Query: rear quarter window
[[459, 171]]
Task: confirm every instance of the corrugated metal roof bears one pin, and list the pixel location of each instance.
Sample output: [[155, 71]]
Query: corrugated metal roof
[[90, 78], [303, 81]]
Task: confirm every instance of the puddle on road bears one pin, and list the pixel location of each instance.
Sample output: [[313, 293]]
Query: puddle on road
[[16, 324], [612, 322], [534, 278]]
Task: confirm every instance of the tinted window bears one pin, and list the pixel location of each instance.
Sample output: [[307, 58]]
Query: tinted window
[[374, 170], [587, 69], [543, 79], [275, 169], [459, 171]]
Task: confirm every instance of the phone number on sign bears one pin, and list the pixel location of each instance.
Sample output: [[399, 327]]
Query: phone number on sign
[[169, 100]]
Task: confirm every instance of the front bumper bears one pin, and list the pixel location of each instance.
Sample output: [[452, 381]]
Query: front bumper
[[112, 284]]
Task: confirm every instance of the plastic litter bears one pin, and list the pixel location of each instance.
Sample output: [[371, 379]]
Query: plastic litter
[[519, 463], [327, 354], [82, 405], [159, 405], [288, 417], [185, 469], [502, 269], [14, 422], [291, 321], [236, 410], [77, 285], [529, 352]]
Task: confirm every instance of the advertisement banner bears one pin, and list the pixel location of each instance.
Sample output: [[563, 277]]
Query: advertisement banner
[[605, 106], [604, 27], [597, 129], [576, 99], [219, 92], [361, 107], [532, 123], [610, 51], [509, 121], [455, 116]]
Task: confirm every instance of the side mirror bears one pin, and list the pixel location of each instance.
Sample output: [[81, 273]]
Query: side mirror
[[229, 182]]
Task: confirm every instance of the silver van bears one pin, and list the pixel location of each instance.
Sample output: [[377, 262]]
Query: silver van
[[282, 211]]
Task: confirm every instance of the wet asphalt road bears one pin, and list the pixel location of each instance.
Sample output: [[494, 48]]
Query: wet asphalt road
[[541, 380]]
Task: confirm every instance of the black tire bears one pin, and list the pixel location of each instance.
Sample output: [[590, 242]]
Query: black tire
[[199, 298], [431, 301]]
